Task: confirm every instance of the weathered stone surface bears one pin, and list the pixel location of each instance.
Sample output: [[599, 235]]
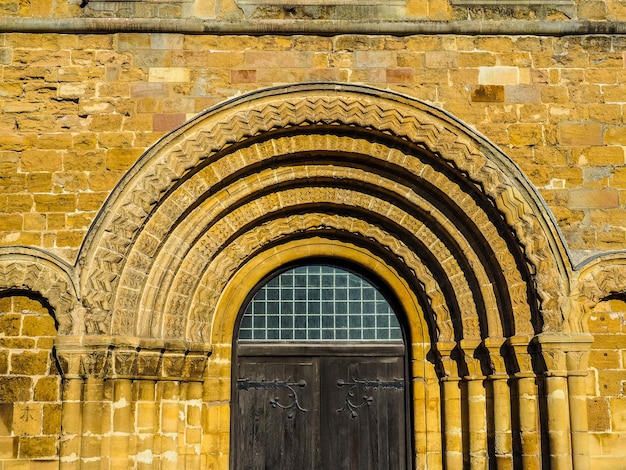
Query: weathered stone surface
[[79, 110], [14, 389]]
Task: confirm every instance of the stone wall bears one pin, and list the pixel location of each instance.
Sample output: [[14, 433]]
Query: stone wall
[[79, 110], [346, 10], [30, 385], [606, 384]]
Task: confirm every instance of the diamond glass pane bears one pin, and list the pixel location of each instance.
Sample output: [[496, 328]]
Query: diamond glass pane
[[319, 303]]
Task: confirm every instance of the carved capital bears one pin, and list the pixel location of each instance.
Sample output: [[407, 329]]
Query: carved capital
[[450, 355], [497, 350], [520, 345], [565, 354], [577, 362], [108, 357], [476, 359], [77, 361]]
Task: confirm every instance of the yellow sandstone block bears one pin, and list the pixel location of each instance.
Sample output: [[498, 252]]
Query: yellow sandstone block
[[498, 75], [168, 74], [584, 134]]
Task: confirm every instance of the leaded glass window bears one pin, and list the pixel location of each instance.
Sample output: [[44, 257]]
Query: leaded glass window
[[319, 303]]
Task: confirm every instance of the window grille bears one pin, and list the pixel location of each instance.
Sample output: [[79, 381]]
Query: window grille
[[319, 303]]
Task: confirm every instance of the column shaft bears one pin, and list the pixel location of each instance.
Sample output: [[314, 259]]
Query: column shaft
[[477, 423], [452, 425], [503, 445], [93, 420], [579, 421], [558, 423], [71, 424], [170, 410], [528, 420], [145, 410], [122, 424]]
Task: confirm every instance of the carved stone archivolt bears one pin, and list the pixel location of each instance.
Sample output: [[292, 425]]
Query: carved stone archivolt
[[246, 147], [445, 221], [602, 278], [36, 271], [361, 165]]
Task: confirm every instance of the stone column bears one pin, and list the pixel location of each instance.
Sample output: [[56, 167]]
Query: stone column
[[476, 406], [71, 423], [427, 411], [122, 424], [193, 425], [170, 411], [104, 423], [528, 406], [452, 431], [83, 415], [93, 421], [145, 411], [577, 359], [501, 392], [553, 348]]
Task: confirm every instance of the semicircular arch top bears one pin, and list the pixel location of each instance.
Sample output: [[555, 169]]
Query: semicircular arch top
[[342, 151], [38, 272]]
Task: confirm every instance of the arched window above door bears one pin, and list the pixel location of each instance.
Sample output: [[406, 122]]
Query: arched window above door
[[318, 302]]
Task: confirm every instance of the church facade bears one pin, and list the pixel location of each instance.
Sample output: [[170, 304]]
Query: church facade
[[318, 234]]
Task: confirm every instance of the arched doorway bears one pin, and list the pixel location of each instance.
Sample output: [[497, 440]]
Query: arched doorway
[[368, 177], [319, 367]]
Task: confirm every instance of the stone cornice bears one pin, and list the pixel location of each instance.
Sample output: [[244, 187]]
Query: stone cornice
[[320, 28]]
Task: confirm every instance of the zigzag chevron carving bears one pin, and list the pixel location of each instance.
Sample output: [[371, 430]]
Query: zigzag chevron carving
[[301, 108], [36, 271]]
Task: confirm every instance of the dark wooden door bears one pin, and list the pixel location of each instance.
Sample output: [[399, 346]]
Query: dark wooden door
[[363, 413], [277, 421], [328, 409]]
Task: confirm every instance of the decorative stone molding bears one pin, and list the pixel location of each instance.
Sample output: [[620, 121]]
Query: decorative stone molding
[[603, 277], [210, 285], [145, 213], [452, 361], [498, 352], [34, 270], [475, 357], [318, 2], [520, 346], [598, 279], [565, 354], [130, 358]]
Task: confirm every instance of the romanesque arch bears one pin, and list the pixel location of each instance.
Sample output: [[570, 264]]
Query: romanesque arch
[[466, 188], [35, 271], [397, 186]]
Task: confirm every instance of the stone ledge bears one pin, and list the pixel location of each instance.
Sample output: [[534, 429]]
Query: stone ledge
[[108, 357], [319, 2], [304, 27], [520, 3]]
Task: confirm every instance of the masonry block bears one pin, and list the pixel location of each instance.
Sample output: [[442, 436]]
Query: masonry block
[[594, 198], [498, 75], [585, 134], [488, 93]]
